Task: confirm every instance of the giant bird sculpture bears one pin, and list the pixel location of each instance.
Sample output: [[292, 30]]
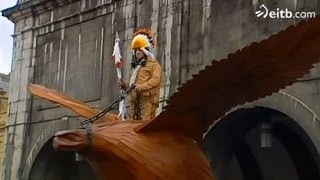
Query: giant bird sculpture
[[161, 148]]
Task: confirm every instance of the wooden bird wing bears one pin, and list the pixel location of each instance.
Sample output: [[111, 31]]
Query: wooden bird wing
[[77, 106], [251, 73]]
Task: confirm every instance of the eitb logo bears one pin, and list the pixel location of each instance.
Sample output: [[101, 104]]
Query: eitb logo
[[282, 13]]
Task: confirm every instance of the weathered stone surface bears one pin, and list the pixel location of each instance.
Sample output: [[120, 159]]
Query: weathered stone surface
[[4, 89]]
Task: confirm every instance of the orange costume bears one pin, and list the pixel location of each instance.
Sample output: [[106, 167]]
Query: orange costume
[[146, 75]]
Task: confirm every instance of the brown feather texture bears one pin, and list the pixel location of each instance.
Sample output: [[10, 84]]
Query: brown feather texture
[[253, 72]]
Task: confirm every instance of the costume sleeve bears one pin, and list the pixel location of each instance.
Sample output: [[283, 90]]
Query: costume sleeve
[[155, 79]]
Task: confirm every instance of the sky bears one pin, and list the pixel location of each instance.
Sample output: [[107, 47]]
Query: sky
[[6, 41]]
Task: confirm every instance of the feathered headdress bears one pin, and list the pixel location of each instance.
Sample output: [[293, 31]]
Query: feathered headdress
[[143, 40]]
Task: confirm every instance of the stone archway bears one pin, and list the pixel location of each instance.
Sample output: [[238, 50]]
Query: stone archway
[[42, 139], [43, 163], [50, 165], [233, 146]]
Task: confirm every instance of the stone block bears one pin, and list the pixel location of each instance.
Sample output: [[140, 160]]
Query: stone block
[[21, 118], [26, 54], [15, 82], [22, 92], [25, 70], [27, 43], [12, 119], [10, 136], [22, 106], [13, 107]]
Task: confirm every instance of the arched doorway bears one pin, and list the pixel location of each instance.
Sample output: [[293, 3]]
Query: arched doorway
[[237, 149], [51, 165]]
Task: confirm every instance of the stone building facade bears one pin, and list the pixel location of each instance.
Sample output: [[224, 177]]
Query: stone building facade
[[67, 45], [3, 122], [4, 88]]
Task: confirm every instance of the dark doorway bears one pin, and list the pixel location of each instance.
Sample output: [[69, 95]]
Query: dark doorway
[[51, 165], [236, 149]]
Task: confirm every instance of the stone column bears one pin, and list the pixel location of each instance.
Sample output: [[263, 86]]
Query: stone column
[[19, 98]]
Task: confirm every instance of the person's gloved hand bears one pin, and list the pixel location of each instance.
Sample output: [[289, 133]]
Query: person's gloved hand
[[121, 83], [139, 87]]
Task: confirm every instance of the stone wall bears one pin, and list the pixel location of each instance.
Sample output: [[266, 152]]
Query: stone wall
[[3, 123], [4, 88]]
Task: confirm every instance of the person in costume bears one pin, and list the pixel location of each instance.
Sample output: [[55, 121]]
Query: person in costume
[[146, 75]]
